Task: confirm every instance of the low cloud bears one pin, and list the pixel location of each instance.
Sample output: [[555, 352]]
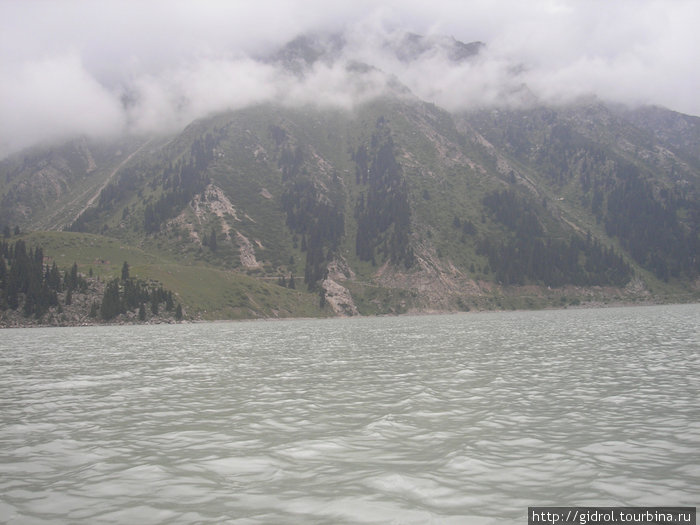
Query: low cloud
[[49, 99], [173, 98], [100, 68]]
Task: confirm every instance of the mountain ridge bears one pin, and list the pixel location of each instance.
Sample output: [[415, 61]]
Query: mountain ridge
[[397, 204]]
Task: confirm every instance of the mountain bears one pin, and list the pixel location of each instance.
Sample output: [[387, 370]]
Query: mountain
[[394, 205], [329, 48]]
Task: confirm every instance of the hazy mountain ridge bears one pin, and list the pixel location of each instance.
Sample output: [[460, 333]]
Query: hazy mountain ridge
[[396, 204], [47, 187], [305, 50]]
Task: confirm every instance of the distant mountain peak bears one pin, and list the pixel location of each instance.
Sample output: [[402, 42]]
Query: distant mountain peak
[[308, 49], [413, 46]]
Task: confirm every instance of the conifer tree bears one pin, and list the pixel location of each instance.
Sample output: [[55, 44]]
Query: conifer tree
[[169, 301], [154, 303], [212, 240], [111, 303], [72, 279]]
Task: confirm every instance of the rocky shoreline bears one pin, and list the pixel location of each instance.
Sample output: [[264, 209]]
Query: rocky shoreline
[[15, 319]]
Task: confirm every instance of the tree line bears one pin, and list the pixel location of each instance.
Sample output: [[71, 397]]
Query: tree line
[[649, 227], [382, 211], [29, 284], [312, 212], [528, 256], [657, 224], [125, 294]]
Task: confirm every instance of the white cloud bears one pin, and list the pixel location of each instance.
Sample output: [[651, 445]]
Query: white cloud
[[51, 98], [334, 86], [66, 64], [174, 98]]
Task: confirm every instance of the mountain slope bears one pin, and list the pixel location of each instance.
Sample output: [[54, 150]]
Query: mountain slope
[[598, 164], [47, 187], [394, 205]]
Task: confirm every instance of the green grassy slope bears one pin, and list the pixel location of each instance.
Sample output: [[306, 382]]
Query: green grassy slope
[[206, 292]]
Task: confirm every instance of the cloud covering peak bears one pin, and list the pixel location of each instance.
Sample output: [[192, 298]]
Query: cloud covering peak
[[71, 67]]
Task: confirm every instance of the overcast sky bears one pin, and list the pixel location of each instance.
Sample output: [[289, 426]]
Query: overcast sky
[[67, 66]]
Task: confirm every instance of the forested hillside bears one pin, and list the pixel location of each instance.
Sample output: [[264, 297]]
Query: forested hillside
[[390, 206], [33, 286]]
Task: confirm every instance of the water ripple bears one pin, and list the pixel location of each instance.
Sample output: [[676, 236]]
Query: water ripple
[[446, 419]]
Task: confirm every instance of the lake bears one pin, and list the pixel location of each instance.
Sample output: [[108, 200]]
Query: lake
[[467, 418]]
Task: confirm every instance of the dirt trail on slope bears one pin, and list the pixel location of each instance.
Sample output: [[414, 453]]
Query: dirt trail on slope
[[109, 178]]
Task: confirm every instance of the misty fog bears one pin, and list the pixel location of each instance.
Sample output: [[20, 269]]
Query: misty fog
[[70, 68]]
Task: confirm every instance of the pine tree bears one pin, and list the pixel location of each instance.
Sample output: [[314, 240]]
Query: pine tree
[[154, 303], [212, 240], [169, 301], [71, 279], [111, 303], [125, 271], [54, 278], [3, 271], [12, 295]]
